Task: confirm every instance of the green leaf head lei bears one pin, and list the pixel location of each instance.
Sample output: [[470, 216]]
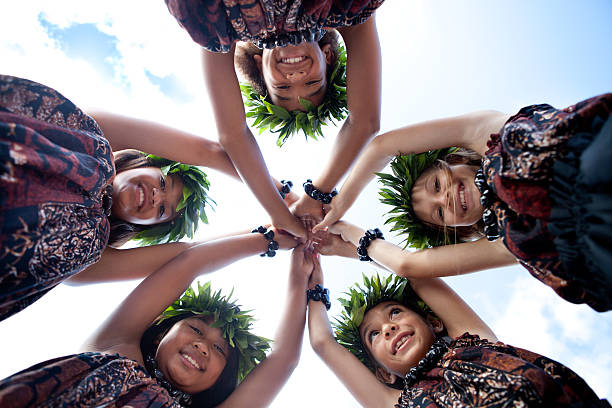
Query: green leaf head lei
[[190, 209], [233, 322], [363, 298], [277, 119], [397, 192]]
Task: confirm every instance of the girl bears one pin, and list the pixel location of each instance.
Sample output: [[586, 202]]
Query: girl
[[293, 70], [444, 353], [193, 354], [544, 189], [68, 189]]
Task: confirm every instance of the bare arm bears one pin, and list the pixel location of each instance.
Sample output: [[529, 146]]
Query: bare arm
[[364, 386], [470, 131], [266, 380], [456, 315], [363, 84], [127, 323], [238, 141], [448, 260], [130, 133]]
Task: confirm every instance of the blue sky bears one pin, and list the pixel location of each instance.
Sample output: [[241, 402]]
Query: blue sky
[[440, 58]]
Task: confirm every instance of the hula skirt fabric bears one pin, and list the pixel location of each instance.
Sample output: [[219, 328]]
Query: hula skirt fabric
[[552, 172], [216, 24], [477, 373], [84, 380], [54, 165]]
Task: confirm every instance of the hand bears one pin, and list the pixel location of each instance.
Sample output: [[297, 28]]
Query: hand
[[333, 212], [291, 198], [307, 207], [302, 262], [348, 231], [291, 225], [329, 244], [284, 239]]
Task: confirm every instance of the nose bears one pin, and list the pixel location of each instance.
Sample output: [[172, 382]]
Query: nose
[[202, 347], [294, 76], [389, 329]]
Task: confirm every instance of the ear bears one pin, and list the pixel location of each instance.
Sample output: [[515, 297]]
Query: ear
[[436, 324], [257, 59], [385, 376], [328, 52]]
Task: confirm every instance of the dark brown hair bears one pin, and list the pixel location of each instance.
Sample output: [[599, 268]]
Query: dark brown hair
[[248, 71], [122, 231], [462, 233]]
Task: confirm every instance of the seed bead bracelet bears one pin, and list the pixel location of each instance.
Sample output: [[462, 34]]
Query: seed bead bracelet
[[318, 195], [286, 189], [269, 235], [319, 294], [364, 243]]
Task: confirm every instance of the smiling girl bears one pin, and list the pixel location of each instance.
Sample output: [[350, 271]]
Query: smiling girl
[[157, 350], [539, 180], [290, 65]]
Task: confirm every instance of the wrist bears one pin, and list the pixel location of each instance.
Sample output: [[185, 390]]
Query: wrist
[[319, 294], [271, 246], [319, 195]]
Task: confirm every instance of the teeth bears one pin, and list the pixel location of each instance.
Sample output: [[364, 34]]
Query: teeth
[[293, 60], [462, 197], [401, 342], [191, 360], [141, 202]]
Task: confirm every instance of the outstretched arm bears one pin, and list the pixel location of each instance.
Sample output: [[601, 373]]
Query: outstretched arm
[[127, 323], [448, 260], [266, 380], [130, 133], [363, 84], [364, 386], [238, 141], [470, 131]]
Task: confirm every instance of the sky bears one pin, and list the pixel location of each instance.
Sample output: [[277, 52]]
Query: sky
[[440, 58]]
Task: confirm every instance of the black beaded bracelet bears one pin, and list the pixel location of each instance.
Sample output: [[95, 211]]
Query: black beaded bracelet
[[269, 235], [364, 243], [319, 293], [286, 189], [318, 195]]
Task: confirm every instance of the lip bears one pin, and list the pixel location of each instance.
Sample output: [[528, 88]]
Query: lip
[[461, 187], [399, 337], [188, 363], [297, 66], [146, 195]]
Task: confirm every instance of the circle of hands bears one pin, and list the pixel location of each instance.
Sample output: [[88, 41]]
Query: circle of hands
[[324, 231]]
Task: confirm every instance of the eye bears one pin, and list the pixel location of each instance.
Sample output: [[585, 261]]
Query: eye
[[220, 349], [316, 81], [196, 330], [162, 210], [437, 185], [373, 335], [162, 182], [394, 312], [441, 213], [282, 87]]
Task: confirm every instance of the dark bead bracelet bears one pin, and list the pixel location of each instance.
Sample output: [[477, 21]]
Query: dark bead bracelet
[[269, 235], [318, 195], [286, 189], [364, 243], [319, 294]]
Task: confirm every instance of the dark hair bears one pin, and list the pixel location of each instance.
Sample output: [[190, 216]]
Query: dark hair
[[462, 233], [220, 390], [122, 231], [247, 68], [411, 304]]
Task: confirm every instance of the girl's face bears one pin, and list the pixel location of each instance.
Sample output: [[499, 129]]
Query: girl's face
[[295, 71], [145, 196], [447, 200], [396, 336], [192, 354]]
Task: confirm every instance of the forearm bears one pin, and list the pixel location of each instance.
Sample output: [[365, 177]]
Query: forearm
[[319, 330], [288, 338]]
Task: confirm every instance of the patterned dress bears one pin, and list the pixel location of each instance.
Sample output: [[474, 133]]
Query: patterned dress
[[54, 165], [477, 373], [551, 171], [216, 24], [84, 380]]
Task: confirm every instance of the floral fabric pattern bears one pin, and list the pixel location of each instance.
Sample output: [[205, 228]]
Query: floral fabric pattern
[[475, 372], [84, 380], [216, 24], [54, 165], [527, 167]]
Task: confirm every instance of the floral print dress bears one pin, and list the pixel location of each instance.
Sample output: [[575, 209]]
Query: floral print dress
[[55, 165]]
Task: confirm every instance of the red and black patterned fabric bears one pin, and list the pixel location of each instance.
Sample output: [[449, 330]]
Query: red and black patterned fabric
[[84, 380], [216, 24], [552, 173], [477, 373], [54, 165]]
